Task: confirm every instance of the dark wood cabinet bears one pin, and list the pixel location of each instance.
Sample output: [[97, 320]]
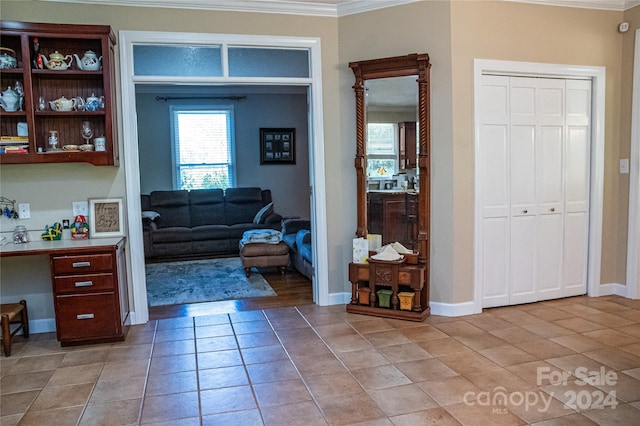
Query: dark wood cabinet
[[90, 295], [399, 279], [394, 215], [67, 39], [407, 141]]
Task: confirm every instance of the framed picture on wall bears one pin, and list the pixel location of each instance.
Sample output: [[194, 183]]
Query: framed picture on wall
[[277, 146], [106, 217]]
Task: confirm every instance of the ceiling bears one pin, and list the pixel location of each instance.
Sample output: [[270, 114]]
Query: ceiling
[[327, 7]]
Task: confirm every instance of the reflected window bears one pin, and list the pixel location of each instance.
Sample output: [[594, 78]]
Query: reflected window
[[382, 149]]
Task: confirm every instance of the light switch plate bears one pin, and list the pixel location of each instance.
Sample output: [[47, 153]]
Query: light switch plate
[[624, 165], [80, 208]]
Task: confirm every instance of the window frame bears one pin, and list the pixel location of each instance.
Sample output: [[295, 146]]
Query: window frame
[[174, 111], [394, 156]]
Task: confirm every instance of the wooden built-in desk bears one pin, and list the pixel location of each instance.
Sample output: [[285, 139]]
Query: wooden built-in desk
[[394, 276], [89, 280]]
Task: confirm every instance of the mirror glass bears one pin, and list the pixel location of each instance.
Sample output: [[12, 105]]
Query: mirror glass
[[392, 143]]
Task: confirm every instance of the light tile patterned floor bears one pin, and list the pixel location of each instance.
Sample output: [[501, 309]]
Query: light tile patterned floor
[[319, 365]]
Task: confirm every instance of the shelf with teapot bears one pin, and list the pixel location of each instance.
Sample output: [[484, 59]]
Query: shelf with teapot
[[67, 72]]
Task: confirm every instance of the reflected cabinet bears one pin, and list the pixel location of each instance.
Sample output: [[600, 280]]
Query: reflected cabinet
[[385, 89], [63, 78]]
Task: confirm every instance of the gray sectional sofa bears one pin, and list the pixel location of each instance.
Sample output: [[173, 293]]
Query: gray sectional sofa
[[178, 224]]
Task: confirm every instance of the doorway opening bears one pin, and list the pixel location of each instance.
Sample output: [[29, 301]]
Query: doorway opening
[[311, 84]]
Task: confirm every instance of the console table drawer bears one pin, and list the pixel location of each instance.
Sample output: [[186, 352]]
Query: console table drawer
[[82, 263], [87, 316], [84, 283]]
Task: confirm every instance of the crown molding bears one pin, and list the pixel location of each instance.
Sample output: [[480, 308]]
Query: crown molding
[[328, 8], [618, 5], [292, 7]]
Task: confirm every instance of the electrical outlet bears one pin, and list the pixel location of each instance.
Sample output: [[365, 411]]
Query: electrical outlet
[[80, 208], [24, 211], [624, 165]]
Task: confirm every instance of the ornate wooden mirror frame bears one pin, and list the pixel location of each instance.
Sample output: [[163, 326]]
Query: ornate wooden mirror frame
[[399, 66]]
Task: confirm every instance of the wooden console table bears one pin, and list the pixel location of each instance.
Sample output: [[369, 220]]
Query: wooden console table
[[397, 277], [89, 280]]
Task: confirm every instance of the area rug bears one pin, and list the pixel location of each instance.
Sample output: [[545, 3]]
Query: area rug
[[206, 280]]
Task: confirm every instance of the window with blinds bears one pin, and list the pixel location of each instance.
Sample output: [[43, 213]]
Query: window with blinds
[[203, 147], [382, 149]]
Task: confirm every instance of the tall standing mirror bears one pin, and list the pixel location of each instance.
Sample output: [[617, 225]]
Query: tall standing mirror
[[393, 150]]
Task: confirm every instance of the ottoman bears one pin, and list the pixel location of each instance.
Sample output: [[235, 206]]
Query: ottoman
[[259, 255]]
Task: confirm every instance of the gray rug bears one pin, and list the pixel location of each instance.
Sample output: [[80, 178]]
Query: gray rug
[[207, 280]]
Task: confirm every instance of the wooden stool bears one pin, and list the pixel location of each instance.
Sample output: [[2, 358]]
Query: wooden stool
[[8, 312]]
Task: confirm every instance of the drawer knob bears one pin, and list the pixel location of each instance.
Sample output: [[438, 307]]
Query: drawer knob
[[81, 264], [85, 316], [84, 283]]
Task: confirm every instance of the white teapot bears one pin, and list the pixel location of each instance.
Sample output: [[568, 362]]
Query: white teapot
[[89, 62], [62, 104], [57, 61], [10, 100]]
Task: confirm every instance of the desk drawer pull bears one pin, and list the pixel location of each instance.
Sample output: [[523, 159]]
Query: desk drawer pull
[[84, 283], [85, 316], [81, 264]]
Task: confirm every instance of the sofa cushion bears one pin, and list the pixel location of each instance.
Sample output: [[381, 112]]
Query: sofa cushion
[[303, 244], [242, 204], [290, 240], [207, 207], [171, 235], [173, 207], [214, 232]]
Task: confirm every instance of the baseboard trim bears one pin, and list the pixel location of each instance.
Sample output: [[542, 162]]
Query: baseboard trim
[[452, 309], [613, 288], [45, 325], [339, 298]]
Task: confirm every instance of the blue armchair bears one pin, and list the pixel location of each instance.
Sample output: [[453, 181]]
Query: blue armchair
[[296, 233]]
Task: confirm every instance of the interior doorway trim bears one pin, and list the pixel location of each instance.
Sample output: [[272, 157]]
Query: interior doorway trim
[[597, 75], [136, 270], [633, 231]]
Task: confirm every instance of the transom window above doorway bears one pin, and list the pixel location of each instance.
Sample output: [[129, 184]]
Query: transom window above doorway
[[220, 61]]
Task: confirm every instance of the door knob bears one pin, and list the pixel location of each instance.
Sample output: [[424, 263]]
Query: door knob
[[553, 209]]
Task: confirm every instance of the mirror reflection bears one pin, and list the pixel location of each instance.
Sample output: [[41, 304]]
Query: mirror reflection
[[392, 133]]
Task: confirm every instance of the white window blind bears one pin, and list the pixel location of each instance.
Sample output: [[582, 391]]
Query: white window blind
[[203, 147]]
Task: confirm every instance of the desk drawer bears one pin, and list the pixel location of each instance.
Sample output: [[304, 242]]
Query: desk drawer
[[87, 316], [82, 264], [84, 283]]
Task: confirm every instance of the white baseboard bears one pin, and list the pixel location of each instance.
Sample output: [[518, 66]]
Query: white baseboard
[[613, 288], [452, 309], [45, 325], [339, 298]]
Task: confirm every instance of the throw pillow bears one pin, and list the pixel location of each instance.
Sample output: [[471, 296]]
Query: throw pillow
[[263, 213], [150, 214]]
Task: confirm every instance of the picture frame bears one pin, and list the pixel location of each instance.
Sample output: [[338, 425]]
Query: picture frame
[[106, 217], [277, 146]]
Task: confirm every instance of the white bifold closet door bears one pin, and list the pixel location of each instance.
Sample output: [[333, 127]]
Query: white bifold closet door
[[534, 197]]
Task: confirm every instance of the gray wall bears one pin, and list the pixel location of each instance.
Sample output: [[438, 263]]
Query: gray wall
[[289, 183]]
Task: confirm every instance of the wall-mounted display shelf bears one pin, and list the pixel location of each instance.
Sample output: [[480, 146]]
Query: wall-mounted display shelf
[[64, 63]]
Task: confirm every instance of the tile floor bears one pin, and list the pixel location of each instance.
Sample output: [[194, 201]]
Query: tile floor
[[319, 365]]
